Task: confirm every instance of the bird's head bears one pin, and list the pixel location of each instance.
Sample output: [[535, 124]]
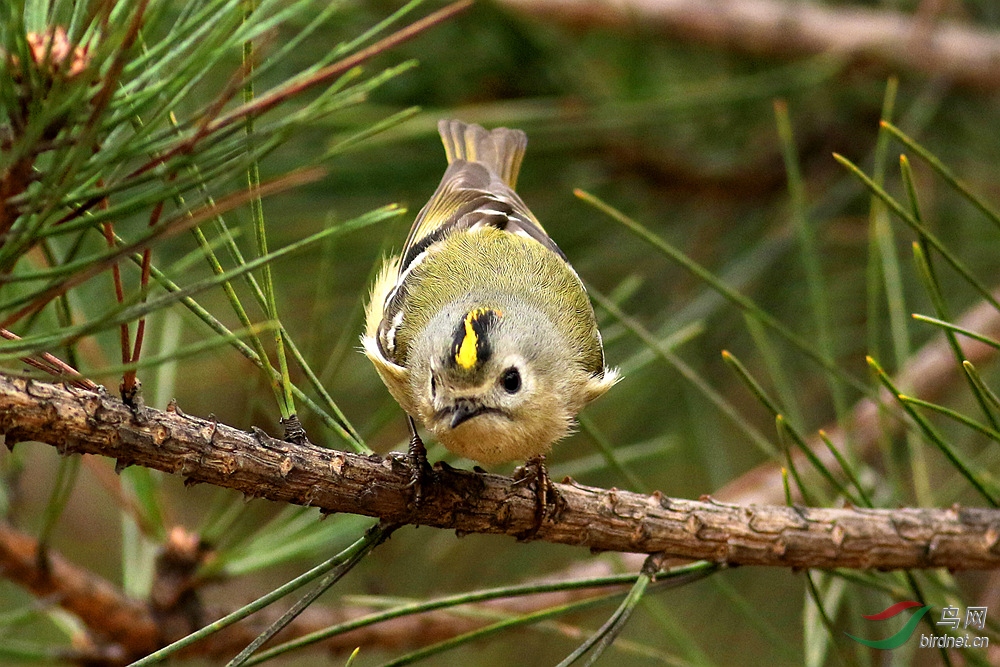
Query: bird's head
[[496, 383]]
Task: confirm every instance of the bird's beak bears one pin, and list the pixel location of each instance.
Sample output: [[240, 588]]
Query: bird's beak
[[464, 410]]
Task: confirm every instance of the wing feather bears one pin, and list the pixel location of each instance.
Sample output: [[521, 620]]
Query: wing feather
[[475, 191]]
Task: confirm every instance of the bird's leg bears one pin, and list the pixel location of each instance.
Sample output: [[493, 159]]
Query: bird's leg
[[547, 499], [420, 470]]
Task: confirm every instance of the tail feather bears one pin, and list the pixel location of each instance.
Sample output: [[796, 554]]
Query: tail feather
[[501, 150]]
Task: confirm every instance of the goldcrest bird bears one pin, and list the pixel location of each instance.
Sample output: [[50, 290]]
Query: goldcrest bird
[[481, 329]]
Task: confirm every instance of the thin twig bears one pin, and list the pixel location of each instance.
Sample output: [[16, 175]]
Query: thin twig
[[53, 365], [273, 98], [172, 227]]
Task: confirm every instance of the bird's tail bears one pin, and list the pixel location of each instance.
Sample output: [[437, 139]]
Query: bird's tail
[[501, 150]]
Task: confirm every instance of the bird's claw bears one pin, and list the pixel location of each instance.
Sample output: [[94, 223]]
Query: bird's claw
[[420, 470], [548, 501]]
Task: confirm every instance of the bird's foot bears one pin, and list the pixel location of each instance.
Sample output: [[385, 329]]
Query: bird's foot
[[548, 502], [421, 473]]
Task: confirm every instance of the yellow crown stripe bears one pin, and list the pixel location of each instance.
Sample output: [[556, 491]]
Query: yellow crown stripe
[[467, 355]]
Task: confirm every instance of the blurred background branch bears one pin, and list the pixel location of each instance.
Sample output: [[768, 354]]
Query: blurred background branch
[[929, 42], [930, 373]]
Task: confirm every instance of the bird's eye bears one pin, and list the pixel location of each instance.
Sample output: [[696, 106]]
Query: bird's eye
[[511, 380]]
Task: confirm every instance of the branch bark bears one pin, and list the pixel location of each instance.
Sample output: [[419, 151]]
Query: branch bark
[[79, 421], [960, 53]]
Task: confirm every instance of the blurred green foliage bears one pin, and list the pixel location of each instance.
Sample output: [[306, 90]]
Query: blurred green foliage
[[683, 139]]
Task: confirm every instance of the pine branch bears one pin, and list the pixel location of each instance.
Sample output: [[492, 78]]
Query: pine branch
[[78, 421], [892, 40]]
